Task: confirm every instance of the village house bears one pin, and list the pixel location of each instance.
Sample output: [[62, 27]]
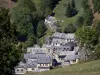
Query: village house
[[36, 62], [51, 22], [36, 49]]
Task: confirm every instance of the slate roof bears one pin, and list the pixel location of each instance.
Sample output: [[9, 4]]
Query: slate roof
[[33, 64], [55, 40], [44, 60], [36, 50], [63, 35], [41, 57], [70, 57]]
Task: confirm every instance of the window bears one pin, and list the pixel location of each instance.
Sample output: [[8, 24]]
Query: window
[[67, 48], [46, 64], [17, 69], [40, 64], [74, 61], [32, 68], [21, 69]]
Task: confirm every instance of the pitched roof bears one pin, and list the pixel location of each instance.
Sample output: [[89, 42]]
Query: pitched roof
[[41, 57], [44, 60], [63, 35], [70, 57]]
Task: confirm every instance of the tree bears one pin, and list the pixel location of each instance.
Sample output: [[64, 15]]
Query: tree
[[87, 38], [45, 8], [88, 17], [70, 28], [86, 35], [25, 18], [71, 9], [97, 51], [68, 10], [85, 4], [97, 27], [41, 28], [98, 7], [73, 3], [10, 53], [79, 22], [96, 4]]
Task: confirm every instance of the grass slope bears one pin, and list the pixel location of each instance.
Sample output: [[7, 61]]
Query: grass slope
[[90, 68], [60, 12]]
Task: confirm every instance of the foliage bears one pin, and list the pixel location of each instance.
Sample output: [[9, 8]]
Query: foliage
[[41, 28], [97, 51], [88, 17], [10, 53], [71, 9], [96, 5], [70, 28], [86, 35], [23, 16], [85, 4], [79, 22]]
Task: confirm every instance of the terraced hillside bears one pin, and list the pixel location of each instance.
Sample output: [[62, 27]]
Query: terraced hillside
[[90, 68]]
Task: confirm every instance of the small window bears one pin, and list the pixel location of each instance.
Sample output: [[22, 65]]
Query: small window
[[17, 69], [21, 69], [64, 48], [67, 48], [46, 64], [40, 64]]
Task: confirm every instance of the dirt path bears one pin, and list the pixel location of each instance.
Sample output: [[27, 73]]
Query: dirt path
[[96, 15]]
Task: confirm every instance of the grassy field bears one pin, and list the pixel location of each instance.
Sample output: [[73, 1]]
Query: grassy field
[[90, 68], [60, 12]]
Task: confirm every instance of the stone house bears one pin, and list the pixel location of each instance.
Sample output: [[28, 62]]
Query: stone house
[[34, 63], [51, 22]]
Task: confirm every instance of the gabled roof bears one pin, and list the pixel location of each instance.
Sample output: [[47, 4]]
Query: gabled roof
[[26, 65], [63, 35], [44, 60], [71, 57], [36, 50], [41, 57]]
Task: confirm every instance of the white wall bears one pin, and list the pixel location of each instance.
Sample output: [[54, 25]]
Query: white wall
[[20, 71]]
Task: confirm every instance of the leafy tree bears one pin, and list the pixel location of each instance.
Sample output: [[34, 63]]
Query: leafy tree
[[41, 28], [24, 17], [10, 52], [45, 8], [97, 51], [97, 27], [71, 9], [85, 4], [88, 17], [86, 35], [68, 9], [79, 22], [73, 3], [70, 28], [96, 5]]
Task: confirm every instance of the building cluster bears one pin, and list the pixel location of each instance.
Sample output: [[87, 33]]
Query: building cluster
[[60, 49]]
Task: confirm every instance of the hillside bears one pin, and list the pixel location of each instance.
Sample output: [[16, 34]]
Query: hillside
[[90, 68], [96, 15], [60, 12]]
